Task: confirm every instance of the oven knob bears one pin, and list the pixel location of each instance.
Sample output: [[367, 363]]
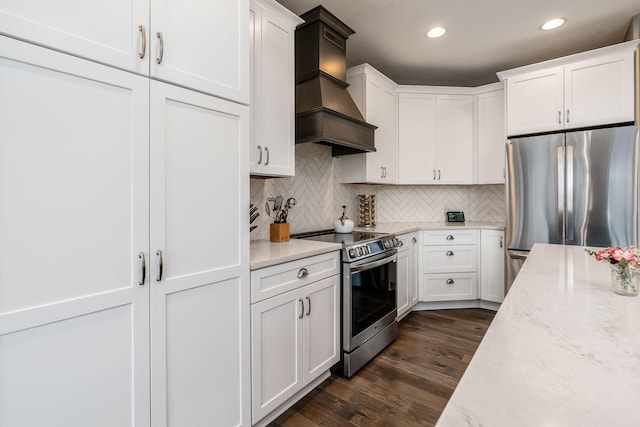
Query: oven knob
[[352, 253], [366, 250], [386, 244], [398, 242]]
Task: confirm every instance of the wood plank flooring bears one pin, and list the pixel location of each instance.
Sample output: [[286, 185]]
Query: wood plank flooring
[[408, 384]]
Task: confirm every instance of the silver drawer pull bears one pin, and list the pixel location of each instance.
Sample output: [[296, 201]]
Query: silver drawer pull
[[449, 282], [449, 253], [450, 237], [143, 36], [301, 308], [143, 267], [160, 55], [160, 265], [302, 273]]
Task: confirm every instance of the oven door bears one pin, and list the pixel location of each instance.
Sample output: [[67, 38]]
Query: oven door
[[369, 297]]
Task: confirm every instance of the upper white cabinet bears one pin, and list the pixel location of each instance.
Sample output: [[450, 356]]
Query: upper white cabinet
[[491, 134], [587, 89], [111, 32], [435, 136], [272, 31], [200, 45], [375, 96]]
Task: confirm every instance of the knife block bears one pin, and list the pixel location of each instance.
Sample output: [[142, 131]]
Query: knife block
[[279, 232]]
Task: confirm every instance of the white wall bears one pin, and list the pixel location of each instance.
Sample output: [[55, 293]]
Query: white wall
[[320, 196]]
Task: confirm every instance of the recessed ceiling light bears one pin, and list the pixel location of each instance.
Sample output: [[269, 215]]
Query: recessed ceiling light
[[552, 23], [436, 32]]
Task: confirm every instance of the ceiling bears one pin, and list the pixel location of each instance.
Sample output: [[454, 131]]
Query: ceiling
[[484, 36]]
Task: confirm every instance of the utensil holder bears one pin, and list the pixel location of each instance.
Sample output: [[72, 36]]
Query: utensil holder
[[279, 232], [366, 210]]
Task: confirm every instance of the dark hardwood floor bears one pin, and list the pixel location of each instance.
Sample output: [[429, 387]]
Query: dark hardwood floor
[[408, 384]]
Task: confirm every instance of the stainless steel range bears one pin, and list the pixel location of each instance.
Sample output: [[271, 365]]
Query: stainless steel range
[[368, 293]]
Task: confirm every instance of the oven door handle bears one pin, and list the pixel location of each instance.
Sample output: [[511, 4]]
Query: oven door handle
[[374, 264]]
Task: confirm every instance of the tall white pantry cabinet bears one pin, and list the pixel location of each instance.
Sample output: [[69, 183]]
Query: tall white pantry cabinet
[[124, 282]]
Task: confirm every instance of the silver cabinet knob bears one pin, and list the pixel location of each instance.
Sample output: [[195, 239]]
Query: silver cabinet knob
[[449, 253], [450, 237], [414, 240], [449, 282], [302, 273]]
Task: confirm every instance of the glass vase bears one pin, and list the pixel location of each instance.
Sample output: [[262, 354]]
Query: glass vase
[[625, 281]]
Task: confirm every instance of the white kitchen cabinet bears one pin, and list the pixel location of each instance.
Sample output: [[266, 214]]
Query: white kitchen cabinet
[[200, 45], [375, 97], [589, 89], [272, 35], [449, 265], [295, 334], [407, 270], [199, 288], [492, 265], [114, 33], [491, 135], [435, 138], [85, 328], [74, 321]]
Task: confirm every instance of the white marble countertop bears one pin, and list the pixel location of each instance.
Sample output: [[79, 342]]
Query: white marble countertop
[[563, 350], [265, 253], [408, 227]]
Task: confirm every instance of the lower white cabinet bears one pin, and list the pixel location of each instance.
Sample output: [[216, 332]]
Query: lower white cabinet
[[295, 335], [492, 265], [449, 265], [407, 268]]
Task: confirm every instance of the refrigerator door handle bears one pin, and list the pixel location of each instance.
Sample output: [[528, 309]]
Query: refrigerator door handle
[[516, 254], [569, 202], [560, 213]]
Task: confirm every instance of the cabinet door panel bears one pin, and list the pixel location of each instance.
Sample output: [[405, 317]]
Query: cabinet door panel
[[454, 258], [492, 265], [106, 32], [381, 112], [416, 138], [599, 91], [276, 360], [404, 273], [491, 138], [454, 149], [449, 287], [535, 102], [322, 327], [205, 45], [199, 180], [74, 197]]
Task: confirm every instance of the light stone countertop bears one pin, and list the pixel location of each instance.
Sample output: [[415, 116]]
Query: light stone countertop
[[265, 253], [563, 350]]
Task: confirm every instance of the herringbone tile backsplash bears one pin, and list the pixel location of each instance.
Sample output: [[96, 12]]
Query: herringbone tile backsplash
[[320, 196]]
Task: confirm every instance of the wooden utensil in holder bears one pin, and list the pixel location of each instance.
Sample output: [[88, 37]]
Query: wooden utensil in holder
[[279, 232]]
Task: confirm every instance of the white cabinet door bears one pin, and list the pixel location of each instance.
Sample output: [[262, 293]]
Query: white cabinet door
[[199, 253], [535, 101], [402, 288], [416, 138], [492, 265], [276, 347], [321, 327], [111, 32], [374, 94], [454, 136], [414, 257], [491, 138], [74, 328], [202, 45], [599, 91], [272, 31]]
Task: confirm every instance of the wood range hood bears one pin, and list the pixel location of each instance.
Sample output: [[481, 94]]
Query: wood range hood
[[325, 112]]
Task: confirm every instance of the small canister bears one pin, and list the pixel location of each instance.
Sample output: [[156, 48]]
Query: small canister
[[366, 210]]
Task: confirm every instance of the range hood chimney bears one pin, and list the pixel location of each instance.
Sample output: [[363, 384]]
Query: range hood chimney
[[325, 112], [633, 31]]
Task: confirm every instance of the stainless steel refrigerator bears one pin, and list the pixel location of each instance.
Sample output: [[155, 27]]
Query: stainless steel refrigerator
[[574, 188]]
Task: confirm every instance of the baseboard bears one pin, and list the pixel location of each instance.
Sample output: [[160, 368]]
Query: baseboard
[[446, 305]]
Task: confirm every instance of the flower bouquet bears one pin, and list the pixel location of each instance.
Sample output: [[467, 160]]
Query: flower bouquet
[[625, 268]]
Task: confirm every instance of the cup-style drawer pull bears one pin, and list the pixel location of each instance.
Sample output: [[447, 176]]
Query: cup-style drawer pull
[[302, 273], [449, 282], [449, 237], [449, 253]]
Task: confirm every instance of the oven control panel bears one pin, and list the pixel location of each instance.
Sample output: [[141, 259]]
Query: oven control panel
[[362, 250]]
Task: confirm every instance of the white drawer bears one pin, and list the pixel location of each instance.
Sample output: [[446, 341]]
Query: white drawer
[[406, 240], [448, 287], [271, 281], [450, 237], [449, 259]]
